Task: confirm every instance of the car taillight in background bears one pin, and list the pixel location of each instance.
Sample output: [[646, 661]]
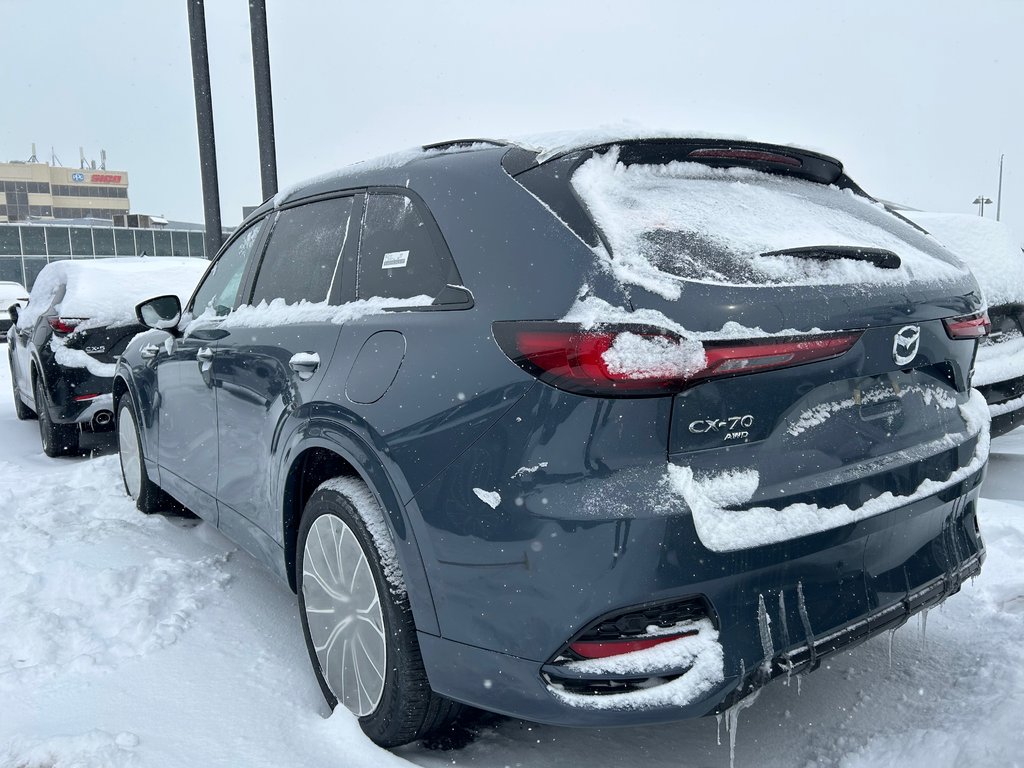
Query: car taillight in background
[[969, 327], [64, 325], [571, 358]]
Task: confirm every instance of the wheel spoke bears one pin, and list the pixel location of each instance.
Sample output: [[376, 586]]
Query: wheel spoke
[[340, 599]]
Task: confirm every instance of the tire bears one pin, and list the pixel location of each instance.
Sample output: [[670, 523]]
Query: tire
[[58, 439], [22, 411], [395, 704], [146, 494]]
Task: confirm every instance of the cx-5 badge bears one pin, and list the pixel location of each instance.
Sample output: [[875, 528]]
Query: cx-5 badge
[[906, 343]]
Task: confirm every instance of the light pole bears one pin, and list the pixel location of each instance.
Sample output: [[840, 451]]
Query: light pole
[[982, 201], [999, 194]]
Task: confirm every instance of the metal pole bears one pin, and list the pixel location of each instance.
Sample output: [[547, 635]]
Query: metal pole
[[264, 97], [999, 194], [204, 124]]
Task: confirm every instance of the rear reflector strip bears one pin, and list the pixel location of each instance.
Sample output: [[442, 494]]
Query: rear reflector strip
[[970, 327], [84, 398], [602, 650]]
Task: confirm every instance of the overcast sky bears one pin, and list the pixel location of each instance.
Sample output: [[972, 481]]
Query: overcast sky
[[918, 99]]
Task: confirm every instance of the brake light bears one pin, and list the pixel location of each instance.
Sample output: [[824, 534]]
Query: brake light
[[746, 155], [64, 324], [970, 327], [590, 649], [640, 361]]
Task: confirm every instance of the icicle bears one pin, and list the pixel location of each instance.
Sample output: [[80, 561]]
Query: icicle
[[764, 626], [785, 624], [718, 728], [799, 679], [924, 626], [806, 620], [732, 722], [892, 634]]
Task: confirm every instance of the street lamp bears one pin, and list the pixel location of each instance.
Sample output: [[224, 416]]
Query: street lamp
[[982, 201]]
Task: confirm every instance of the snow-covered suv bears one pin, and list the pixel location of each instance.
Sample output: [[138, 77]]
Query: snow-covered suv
[[605, 433], [993, 252]]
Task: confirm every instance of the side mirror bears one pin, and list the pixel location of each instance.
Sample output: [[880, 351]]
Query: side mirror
[[13, 311], [161, 313]]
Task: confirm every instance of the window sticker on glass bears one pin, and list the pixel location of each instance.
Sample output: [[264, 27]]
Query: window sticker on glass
[[395, 260]]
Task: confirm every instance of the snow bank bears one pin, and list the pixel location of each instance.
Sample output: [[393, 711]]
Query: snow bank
[[700, 654], [990, 248], [96, 748], [65, 615], [677, 222], [721, 529], [106, 291]]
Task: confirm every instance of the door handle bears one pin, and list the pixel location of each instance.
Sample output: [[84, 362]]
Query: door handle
[[204, 355], [304, 364], [149, 351]]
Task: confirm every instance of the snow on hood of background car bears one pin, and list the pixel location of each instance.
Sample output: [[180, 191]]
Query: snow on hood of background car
[[687, 222], [106, 291], [990, 248]]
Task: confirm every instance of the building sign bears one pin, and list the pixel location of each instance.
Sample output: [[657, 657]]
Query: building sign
[[78, 177], [103, 178]]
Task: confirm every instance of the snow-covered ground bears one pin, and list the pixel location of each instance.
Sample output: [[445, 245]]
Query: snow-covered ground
[[128, 640]]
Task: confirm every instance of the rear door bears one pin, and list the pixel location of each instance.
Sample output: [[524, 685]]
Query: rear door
[[274, 355]]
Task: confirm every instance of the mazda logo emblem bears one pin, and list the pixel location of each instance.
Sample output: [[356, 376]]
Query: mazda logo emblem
[[906, 344]]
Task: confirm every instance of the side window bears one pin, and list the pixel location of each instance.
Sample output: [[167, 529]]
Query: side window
[[219, 288], [397, 257], [301, 261]]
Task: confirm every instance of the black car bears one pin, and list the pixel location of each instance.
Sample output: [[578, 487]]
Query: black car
[[608, 433], [65, 340]]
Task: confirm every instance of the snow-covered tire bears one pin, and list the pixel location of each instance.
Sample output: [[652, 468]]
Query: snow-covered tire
[[144, 492], [58, 439], [22, 411], [344, 550]]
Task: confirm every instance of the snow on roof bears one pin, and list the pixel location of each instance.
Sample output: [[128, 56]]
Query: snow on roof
[[106, 291], [990, 248]]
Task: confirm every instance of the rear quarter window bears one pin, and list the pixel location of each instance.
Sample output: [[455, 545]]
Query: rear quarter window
[[398, 255]]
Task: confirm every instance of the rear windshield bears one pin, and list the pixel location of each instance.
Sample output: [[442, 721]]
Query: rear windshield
[[716, 225]]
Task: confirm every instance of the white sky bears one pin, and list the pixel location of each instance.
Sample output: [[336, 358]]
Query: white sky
[[917, 98]]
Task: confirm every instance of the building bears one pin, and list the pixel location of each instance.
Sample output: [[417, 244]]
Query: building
[[26, 248], [39, 191]]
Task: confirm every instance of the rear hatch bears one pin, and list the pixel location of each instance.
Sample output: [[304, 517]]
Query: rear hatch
[[104, 343], [837, 338]]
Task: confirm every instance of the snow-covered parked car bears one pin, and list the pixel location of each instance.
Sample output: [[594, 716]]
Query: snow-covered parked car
[[594, 433], [65, 341], [993, 252], [11, 293]]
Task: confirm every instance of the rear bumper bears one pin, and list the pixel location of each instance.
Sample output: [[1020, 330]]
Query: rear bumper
[[65, 383], [1005, 404], [778, 609]]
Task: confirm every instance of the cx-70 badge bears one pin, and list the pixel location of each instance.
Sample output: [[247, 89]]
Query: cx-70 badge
[[734, 427], [906, 344]]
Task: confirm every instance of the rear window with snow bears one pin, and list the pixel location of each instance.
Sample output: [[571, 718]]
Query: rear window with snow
[[689, 221]]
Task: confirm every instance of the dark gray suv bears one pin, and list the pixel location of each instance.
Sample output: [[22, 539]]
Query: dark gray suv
[[608, 433]]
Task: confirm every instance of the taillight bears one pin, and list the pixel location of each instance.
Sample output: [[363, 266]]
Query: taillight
[[631, 361], [64, 324], [589, 649], [970, 327]]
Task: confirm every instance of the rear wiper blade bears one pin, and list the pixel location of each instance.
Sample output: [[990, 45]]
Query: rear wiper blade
[[878, 256]]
